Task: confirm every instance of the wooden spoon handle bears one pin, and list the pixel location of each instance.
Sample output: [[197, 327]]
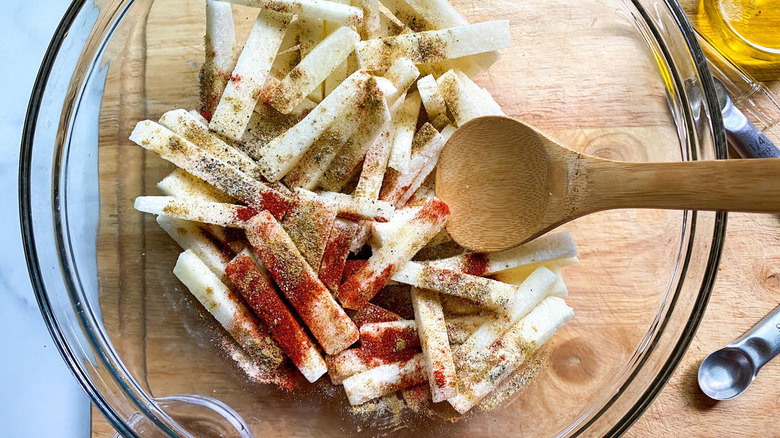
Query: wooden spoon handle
[[722, 185]]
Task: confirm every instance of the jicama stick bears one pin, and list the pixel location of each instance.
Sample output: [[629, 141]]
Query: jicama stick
[[322, 9], [405, 126], [402, 74], [176, 149], [431, 155], [460, 328], [382, 232], [371, 27], [313, 69], [427, 145], [480, 373], [371, 312], [461, 105], [550, 247], [341, 140], [501, 297], [326, 320], [182, 184], [336, 251], [379, 335], [432, 99], [388, 259], [434, 45], [243, 89], [426, 14], [353, 207], [221, 55], [519, 274], [389, 25], [528, 294], [189, 236], [308, 223], [456, 306], [340, 72], [485, 102], [266, 124], [283, 152], [384, 379], [184, 124], [217, 213], [227, 309], [435, 344], [260, 293], [233, 238]]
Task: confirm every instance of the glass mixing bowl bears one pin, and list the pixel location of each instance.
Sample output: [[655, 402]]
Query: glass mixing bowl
[[615, 78]]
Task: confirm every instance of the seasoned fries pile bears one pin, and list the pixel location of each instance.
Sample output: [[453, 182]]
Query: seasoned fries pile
[[304, 191]]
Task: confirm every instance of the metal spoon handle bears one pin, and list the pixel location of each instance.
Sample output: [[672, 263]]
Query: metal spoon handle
[[762, 342], [746, 138]]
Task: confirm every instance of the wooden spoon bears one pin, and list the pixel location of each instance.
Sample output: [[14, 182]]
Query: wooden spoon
[[506, 184]]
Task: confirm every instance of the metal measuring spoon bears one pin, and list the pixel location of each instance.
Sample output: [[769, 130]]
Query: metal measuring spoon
[[728, 372], [744, 136]]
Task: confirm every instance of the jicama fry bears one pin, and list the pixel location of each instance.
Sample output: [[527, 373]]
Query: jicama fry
[[322, 9], [190, 236], [283, 152], [389, 25], [426, 146], [388, 259], [313, 69], [487, 106], [182, 184], [461, 105], [259, 292], [361, 238], [405, 126], [402, 74], [227, 309], [184, 124], [388, 339], [339, 141], [308, 223], [266, 124], [426, 14], [479, 374], [457, 306], [458, 328], [371, 313], [435, 343], [432, 99], [243, 89], [432, 157], [352, 207], [550, 247], [382, 232], [520, 273], [371, 27], [217, 213], [384, 379], [348, 363], [434, 45], [340, 72], [233, 238], [326, 320], [178, 150], [528, 294], [336, 251], [221, 55]]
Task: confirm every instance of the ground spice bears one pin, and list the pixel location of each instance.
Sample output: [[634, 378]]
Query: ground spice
[[336, 251], [371, 313]]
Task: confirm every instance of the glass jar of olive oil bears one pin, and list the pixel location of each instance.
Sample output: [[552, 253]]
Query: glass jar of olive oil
[[747, 31]]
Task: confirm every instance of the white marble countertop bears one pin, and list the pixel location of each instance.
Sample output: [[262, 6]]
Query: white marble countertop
[[39, 397]]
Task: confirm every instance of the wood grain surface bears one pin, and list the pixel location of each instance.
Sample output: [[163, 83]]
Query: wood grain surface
[[149, 308]]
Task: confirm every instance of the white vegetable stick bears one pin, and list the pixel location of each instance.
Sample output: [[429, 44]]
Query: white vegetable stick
[[404, 133], [358, 289], [267, 123], [217, 213], [308, 224], [283, 152], [402, 74], [432, 330], [353, 207], [426, 14], [198, 116], [382, 232], [384, 379], [190, 236], [389, 25], [313, 69], [483, 99], [479, 374], [527, 295], [348, 363], [182, 184], [435, 45], [340, 72], [184, 124], [462, 106], [431, 98], [372, 27], [554, 246], [456, 306], [460, 328], [322, 9], [426, 146], [518, 274], [242, 91], [227, 309], [428, 165], [178, 150], [221, 54]]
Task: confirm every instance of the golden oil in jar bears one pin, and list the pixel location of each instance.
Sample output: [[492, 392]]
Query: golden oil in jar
[[747, 31]]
